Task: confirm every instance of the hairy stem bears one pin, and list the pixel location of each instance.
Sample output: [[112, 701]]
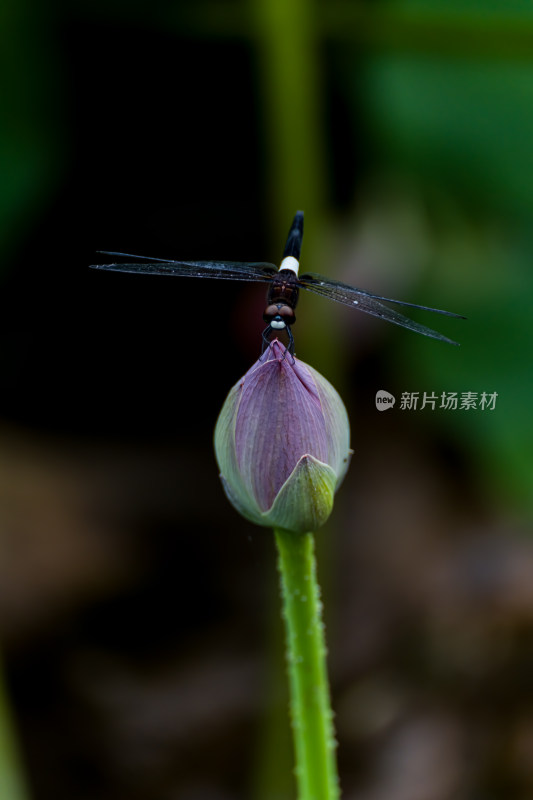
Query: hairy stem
[[312, 718]]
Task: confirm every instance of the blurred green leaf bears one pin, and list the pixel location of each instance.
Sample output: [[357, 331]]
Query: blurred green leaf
[[31, 129], [460, 130]]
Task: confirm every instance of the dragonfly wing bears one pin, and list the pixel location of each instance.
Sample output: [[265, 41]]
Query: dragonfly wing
[[223, 270], [130, 255], [312, 279], [349, 296]]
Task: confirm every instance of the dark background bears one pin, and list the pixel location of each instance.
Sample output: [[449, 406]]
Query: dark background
[[139, 615]]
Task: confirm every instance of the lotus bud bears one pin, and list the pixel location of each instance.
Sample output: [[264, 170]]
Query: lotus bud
[[282, 443]]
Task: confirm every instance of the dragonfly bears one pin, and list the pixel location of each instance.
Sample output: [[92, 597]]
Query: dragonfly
[[285, 284]]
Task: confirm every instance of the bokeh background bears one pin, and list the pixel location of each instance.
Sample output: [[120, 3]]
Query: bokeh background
[[140, 632]]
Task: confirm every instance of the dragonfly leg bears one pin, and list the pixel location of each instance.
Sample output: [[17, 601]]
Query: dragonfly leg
[[266, 340], [290, 348]]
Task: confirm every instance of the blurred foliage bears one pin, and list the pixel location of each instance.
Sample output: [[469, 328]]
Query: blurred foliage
[[31, 129], [466, 128]]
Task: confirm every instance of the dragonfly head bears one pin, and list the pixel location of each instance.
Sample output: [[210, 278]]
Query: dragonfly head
[[279, 316]]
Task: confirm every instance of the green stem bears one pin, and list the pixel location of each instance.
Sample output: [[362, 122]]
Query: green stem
[[12, 781], [312, 718]]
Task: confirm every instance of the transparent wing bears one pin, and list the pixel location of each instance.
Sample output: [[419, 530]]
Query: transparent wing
[[223, 270], [343, 293], [370, 304]]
